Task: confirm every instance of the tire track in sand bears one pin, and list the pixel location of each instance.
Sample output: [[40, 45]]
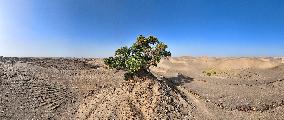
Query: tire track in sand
[[199, 104]]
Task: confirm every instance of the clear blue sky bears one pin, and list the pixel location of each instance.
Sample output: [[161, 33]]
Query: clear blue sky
[[96, 28]]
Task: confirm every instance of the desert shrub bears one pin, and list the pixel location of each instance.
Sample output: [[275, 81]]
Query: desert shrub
[[210, 72], [137, 59]]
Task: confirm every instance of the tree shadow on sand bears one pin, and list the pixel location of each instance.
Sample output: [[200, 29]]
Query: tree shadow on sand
[[177, 81]]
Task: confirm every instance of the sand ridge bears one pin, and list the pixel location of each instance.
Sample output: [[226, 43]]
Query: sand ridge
[[73, 88]]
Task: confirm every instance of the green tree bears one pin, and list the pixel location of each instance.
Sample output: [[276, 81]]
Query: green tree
[[137, 59]]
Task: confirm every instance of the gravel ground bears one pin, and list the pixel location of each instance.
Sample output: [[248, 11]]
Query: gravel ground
[[240, 88], [81, 88]]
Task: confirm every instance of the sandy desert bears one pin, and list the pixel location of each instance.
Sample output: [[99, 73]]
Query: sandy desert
[[201, 88]]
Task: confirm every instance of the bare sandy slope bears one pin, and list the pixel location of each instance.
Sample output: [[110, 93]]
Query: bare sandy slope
[[242, 88], [57, 88]]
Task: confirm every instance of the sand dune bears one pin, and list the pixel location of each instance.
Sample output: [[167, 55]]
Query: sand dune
[[185, 88], [242, 88]]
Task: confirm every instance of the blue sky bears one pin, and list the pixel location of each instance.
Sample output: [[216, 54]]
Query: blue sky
[[96, 28]]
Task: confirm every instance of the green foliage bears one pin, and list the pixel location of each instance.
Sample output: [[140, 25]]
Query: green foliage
[[210, 72], [145, 52]]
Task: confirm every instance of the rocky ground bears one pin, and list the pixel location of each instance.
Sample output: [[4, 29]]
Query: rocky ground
[[185, 88]]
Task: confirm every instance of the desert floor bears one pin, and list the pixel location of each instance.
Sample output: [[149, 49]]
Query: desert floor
[[184, 88]]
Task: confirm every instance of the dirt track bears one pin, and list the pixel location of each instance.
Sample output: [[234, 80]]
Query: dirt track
[[57, 88]]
